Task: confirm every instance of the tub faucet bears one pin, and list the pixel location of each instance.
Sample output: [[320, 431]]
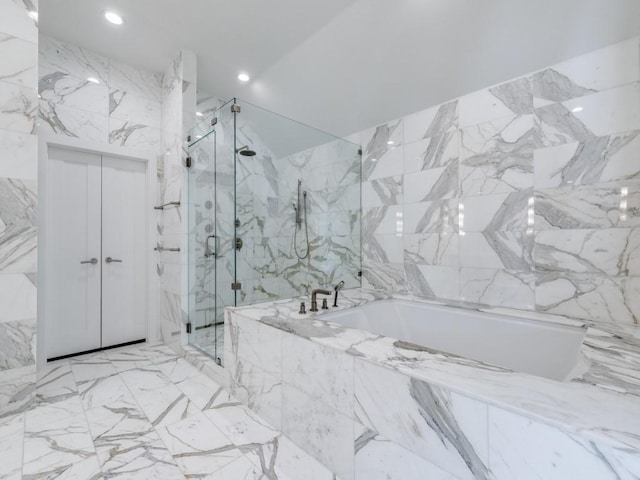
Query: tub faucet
[[314, 302], [337, 288]]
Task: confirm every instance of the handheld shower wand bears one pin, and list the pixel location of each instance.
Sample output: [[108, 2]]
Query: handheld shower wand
[[298, 224]]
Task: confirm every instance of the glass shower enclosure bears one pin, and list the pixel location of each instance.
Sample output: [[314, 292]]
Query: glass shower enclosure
[[274, 212]]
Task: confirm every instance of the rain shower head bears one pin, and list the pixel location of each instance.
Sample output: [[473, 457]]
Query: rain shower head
[[246, 151]]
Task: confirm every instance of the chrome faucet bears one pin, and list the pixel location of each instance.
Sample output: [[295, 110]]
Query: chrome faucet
[[314, 302], [337, 288]]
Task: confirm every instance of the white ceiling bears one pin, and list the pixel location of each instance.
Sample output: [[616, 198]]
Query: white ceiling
[[344, 65]]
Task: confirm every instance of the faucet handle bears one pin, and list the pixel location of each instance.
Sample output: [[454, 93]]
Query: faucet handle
[[302, 308], [325, 306]]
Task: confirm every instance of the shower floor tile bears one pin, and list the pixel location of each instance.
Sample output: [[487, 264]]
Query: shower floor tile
[[142, 412]]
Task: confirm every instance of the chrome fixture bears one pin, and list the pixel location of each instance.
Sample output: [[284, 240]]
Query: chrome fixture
[[246, 151], [297, 208], [337, 288], [238, 243], [161, 207], [303, 309], [162, 249], [314, 302], [325, 305], [93, 261], [112, 260], [208, 252]]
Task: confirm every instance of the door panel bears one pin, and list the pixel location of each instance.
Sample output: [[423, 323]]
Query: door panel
[[73, 236], [123, 240]]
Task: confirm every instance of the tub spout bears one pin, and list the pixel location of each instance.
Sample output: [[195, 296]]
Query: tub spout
[[314, 302]]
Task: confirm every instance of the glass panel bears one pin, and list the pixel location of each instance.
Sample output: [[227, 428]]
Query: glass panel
[[289, 193], [211, 200], [298, 206]]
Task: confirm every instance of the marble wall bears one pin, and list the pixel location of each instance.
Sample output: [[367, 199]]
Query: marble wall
[[178, 116], [89, 96], [276, 265], [92, 97], [525, 194], [18, 202]]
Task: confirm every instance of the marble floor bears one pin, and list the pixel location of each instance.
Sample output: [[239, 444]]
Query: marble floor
[[143, 413]]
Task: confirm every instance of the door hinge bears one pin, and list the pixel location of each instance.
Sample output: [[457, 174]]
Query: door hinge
[[188, 327], [187, 162], [235, 108], [236, 286], [360, 151], [238, 244], [214, 121]]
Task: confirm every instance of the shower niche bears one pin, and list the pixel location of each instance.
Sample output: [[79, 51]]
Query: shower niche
[[274, 211]]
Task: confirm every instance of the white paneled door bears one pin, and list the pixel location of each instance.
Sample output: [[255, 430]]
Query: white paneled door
[[95, 252]]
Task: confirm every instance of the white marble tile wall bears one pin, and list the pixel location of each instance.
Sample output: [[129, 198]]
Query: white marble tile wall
[[18, 203], [522, 195], [89, 96], [178, 96]]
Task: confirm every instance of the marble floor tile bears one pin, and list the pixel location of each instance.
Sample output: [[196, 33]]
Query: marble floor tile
[[282, 459], [166, 405], [56, 381], [62, 449], [113, 429], [11, 425], [201, 390], [53, 410], [110, 391], [11, 456], [136, 414], [144, 378], [92, 368], [241, 425], [198, 446], [144, 458], [126, 359]]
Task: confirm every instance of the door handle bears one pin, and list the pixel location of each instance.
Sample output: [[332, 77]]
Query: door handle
[[207, 251], [112, 260], [93, 261]]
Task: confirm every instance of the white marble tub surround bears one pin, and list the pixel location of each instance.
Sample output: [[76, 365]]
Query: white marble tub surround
[[452, 412]]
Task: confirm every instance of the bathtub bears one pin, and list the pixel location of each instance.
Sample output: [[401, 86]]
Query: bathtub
[[528, 346]]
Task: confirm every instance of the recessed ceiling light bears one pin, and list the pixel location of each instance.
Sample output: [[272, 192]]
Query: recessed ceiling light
[[114, 18], [199, 114], [577, 109], [390, 142], [93, 80], [33, 14], [243, 77]]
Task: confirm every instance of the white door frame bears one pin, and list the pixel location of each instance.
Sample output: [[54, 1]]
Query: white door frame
[[51, 140]]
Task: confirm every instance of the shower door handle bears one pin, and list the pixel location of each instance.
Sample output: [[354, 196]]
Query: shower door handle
[[112, 260], [207, 249], [93, 261]]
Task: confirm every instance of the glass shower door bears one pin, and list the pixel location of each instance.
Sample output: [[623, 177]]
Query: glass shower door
[[211, 254]]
